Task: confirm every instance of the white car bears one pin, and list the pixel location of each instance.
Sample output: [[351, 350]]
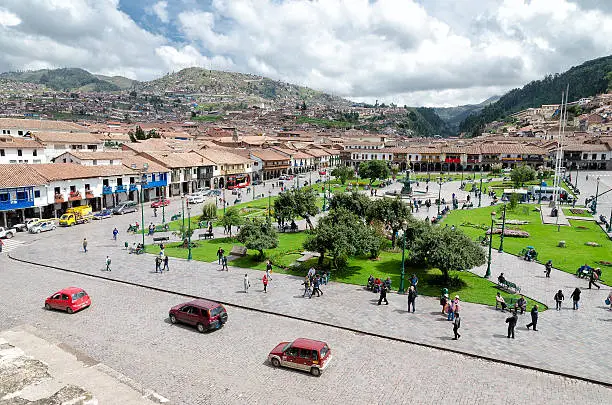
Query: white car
[[195, 198], [43, 226]]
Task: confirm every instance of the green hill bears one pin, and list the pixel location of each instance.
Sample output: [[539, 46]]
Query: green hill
[[590, 78], [65, 79]]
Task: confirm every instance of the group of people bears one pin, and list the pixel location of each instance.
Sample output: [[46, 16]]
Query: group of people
[[222, 259], [312, 283]]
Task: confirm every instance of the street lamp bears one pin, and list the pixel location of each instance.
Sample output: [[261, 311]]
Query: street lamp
[[408, 174], [163, 205], [183, 213], [324, 193], [439, 194], [480, 191], [189, 230], [143, 182], [401, 287], [488, 273], [269, 206], [501, 242], [576, 179], [540, 176], [594, 204], [224, 202]]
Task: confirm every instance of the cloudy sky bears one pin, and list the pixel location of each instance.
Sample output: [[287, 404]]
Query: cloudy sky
[[415, 52]]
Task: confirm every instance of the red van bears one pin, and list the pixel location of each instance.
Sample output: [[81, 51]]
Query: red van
[[303, 354], [203, 314]]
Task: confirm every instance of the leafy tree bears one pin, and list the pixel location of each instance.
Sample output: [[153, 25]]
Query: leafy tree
[[394, 170], [496, 168], [258, 235], [305, 200], [209, 211], [391, 212], [284, 207], [374, 170], [445, 249], [357, 203], [231, 218], [140, 134], [522, 174], [131, 135], [343, 173]]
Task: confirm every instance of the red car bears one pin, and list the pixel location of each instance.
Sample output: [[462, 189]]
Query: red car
[[303, 354], [71, 299], [158, 203], [203, 314], [322, 172]]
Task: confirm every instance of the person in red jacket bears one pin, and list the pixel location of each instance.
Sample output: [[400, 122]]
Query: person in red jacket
[[265, 283]]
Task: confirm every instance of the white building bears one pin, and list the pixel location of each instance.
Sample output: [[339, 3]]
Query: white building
[[21, 150]]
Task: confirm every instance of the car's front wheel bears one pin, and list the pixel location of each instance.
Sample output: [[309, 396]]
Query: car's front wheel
[[38, 231], [47, 307], [69, 310], [9, 235], [275, 362], [172, 319], [201, 328], [315, 371]]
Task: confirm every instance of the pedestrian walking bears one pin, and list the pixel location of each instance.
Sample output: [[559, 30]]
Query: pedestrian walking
[[311, 273], [155, 212], [593, 277], [316, 283], [456, 326], [108, 263], [450, 310], [383, 295], [224, 263], [576, 298], [269, 269], [246, 282], [608, 300], [85, 245], [1, 244], [220, 253], [511, 321], [558, 298], [534, 318], [306, 285], [265, 283], [115, 233], [158, 262], [166, 267], [411, 298], [548, 267], [414, 280]]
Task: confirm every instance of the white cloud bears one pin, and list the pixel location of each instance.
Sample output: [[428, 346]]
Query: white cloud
[[418, 52], [160, 9]]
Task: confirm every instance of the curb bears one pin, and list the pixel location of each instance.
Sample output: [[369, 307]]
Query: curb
[[346, 328]]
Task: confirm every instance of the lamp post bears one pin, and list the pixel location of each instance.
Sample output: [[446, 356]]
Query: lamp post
[[143, 181], [480, 192], [439, 194], [163, 205], [408, 174], [540, 176], [610, 222], [501, 240], [594, 204], [269, 207], [324, 194], [189, 230], [183, 213], [576, 179], [224, 202], [403, 274], [488, 273]]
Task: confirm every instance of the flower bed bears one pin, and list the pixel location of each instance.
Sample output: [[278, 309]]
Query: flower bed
[[513, 233]]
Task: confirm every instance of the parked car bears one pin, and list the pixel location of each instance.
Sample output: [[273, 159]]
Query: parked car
[[203, 314], [159, 202], [7, 233], [322, 172], [256, 182], [195, 198], [43, 226], [303, 354], [212, 193], [71, 299], [125, 207], [23, 227], [105, 213]]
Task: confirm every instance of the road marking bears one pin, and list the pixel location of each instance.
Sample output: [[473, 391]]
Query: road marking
[[10, 245]]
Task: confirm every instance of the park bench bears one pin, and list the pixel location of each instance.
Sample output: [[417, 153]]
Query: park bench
[[175, 217], [161, 238], [509, 285], [238, 251], [162, 228], [206, 235]]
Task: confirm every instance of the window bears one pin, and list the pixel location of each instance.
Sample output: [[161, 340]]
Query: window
[[22, 195], [72, 189], [594, 156], [12, 161], [64, 160], [36, 193], [64, 297], [186, 309], [95, 162], [19, 132], [19, 152], [4, 197], [603, 156], [34, 152], [293, 352], [2, 152], [585, 156], [56, 297], [8, 131], [305, 353], [87, 187]]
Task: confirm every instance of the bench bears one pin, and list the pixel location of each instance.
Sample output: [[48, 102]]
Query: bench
[[161, 238], [206, 235], [510, 285], [238, 251]]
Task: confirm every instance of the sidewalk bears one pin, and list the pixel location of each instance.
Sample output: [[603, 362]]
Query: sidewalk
[[568, 341]]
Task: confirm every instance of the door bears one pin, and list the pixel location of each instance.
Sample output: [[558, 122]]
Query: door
[[305, 359], [290, 357], [54, 302], [63, 302], [183, 314]]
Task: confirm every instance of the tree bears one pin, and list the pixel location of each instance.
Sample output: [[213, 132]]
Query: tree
[[140, 134], [131, 135], [522, 174], [445, 249], [258, 235], [374, 170], [284, 208], [295, 203], [391, 212], [496, 168], [357, 203], [209, 211], [343, 173], [231, 218]]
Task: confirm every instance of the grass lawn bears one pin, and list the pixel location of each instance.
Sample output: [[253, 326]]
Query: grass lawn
[[543, 237]]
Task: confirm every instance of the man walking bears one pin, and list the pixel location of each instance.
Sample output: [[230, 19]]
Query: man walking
[[166, 267], [411, 298], [306, 284], [85, 245], [456, 326], [108, 263], [269, 269], [383, 295], [115, 233], [247, 283], [224, 263], [315, 287], [220, 253], [511, 321], [558, 298], [576, 297], [593, 277], [548, 268], [534, 318], [158, 262]]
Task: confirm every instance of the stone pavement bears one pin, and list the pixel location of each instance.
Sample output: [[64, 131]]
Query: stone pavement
[[568, 341]]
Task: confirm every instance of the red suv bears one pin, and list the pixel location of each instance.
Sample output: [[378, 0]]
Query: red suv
[[303, 354], [203, 314], [158, 203]]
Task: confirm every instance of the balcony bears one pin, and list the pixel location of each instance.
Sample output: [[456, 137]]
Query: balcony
[[511, 159], [74, 196], [156, 183], [15, 204], [107, 190], [89, 194], [120, 189], [133, 187], [59, 198], [240, 170]]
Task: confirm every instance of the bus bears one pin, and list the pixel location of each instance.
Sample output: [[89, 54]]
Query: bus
[[238, 181], [521, 192], [547, 193]]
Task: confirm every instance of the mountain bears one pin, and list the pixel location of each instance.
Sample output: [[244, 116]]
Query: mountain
[[122, 82], [248, 87], [590, 78], [453, 116], [65, 79]]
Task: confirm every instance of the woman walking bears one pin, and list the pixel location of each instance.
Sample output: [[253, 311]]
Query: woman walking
[[247, 283], [265, 283], [558, 298], [576, 297]]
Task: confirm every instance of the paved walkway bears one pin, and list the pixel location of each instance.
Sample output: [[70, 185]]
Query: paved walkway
[[568, 341]]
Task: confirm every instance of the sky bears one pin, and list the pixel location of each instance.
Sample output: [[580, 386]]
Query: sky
[[413, 52]]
